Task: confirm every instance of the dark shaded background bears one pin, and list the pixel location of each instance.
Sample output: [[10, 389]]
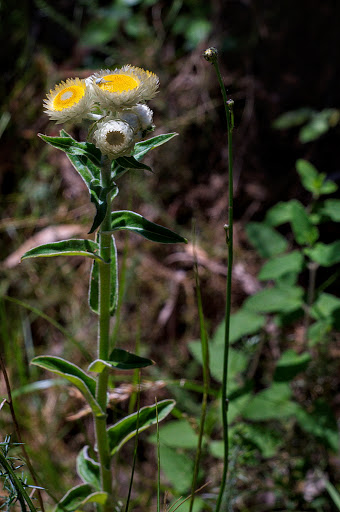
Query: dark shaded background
[[275, 57]]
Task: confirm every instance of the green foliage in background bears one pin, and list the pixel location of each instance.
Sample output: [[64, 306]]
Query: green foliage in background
[[263, 419]]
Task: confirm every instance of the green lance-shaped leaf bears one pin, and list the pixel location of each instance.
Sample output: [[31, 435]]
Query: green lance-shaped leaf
[[99, 197], [129, 162], [88, 168], [75, 375], [121, 360], [132, 221], [71, 147], [88, 469], [86, 248], [141, 148], [122, 165], [94, 283], [77, 497], [86, 159], [126, 428]]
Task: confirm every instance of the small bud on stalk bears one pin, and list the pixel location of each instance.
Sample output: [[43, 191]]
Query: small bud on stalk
[[211, 54]]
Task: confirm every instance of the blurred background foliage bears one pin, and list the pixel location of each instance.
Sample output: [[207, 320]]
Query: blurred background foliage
[[280, 62]]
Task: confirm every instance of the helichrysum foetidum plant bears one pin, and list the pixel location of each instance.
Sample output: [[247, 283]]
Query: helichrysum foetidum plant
[[114, 102]]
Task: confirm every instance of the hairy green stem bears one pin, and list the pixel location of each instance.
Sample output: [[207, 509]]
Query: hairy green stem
[[228, 105], [206, 383], [104, 344]]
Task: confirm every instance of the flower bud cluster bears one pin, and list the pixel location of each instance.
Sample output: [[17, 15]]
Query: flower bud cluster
[[114, 100]]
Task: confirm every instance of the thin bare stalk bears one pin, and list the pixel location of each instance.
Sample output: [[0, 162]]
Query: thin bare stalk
[[206, 382], [135, 448], [211, 56], [312, 268]]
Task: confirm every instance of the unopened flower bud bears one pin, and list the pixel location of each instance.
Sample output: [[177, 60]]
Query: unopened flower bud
[[211, 54], [114, 138]]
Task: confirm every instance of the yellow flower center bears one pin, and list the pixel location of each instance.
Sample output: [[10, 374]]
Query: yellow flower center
[[118, 83], [68, 97]]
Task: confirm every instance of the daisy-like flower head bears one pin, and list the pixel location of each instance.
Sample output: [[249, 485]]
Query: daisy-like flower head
[[114, 138], [69, 101], [123, 88]]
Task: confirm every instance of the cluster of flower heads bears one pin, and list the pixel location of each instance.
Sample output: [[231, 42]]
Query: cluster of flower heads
[[115, 100]]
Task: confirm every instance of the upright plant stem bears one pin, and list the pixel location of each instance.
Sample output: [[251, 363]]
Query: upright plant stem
[[206, 383], [228, 105], [104, 344]]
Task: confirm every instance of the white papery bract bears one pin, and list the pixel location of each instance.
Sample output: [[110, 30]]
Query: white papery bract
[[145, 116], [114, 138]]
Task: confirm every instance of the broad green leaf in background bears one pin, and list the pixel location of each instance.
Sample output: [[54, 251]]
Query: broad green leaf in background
[[74, 374], [177, 467], [318, 332], [238, 400], [266, 439], [125, 429], [293, 118], [331, 209], [122, 360], [275, 300], [177, 434], [77, 497], [309, 175], [319, 124], [321, 423], [290, 364], [265, 239], [312, 180], [134, 222], [325, 254], [324, 306], [280, 265], [242, 323], [279, 214], [88, 469], [273, 403], [74, 247], [143, 147], [237, 361], [94, 282], [305, 232]]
